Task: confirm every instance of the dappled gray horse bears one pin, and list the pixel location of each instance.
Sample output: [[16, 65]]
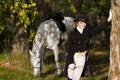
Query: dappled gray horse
[[49, 36]]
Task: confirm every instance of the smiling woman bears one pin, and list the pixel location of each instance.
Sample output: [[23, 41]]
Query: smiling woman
[[78, 43]]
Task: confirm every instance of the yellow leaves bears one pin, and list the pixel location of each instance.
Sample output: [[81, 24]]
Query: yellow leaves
[[32, 34], [102, 1], [26, 14], [29, 5], [23, 15], [22, 12], [1, 28], [24, 19], [73, 8], [24, 6], [19, 4], [26, 23], [16, 4], [69, 1], [33, 4]]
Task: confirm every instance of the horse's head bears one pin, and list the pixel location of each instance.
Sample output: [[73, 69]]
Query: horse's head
[[35, 60], [69, 23]]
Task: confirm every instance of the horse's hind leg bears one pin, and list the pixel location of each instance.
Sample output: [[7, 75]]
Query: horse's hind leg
[[56, 54]]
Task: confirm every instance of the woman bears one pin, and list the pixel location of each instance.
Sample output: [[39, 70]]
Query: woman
[[77, 58]]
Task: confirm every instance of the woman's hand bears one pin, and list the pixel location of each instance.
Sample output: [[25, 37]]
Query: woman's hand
[[110, 15]]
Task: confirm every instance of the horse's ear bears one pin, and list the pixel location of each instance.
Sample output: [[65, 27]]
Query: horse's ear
[[31, 53], [37, 53]]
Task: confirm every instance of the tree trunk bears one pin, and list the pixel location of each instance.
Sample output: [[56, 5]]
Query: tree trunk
[[20, 42], [114, 71]]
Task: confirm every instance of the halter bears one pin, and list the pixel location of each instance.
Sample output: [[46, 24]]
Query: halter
[[38, 49]]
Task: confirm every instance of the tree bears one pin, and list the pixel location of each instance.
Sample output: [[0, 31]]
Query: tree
[[16, 17], [114, 71]]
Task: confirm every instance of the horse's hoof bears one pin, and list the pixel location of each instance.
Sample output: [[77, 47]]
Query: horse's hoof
[[59, 73], [37, 72]]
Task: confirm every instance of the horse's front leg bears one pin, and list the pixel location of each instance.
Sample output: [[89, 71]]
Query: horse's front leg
[[56, 54]]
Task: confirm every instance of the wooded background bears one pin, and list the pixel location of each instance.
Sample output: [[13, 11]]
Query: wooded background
[[19, 19]]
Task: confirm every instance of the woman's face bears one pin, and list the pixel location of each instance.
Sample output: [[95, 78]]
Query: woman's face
[[81, 24]]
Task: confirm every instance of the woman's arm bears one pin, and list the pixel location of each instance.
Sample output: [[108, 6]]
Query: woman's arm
[[102, 25], [97, 29]]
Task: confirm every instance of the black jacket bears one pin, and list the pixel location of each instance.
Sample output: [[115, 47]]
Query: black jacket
[[80, 42]]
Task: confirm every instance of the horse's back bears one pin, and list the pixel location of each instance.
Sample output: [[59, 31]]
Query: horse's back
[[50, 32]]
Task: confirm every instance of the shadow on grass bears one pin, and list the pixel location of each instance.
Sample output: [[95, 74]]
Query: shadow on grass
[[99, 60], [50, 58], [8, 74], [99, 64]]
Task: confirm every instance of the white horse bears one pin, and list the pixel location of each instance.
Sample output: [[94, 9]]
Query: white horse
[[48, 36]]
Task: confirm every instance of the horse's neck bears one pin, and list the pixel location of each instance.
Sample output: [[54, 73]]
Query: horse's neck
[[69, 22]]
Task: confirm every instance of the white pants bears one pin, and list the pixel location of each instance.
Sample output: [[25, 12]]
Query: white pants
[[75, 70]]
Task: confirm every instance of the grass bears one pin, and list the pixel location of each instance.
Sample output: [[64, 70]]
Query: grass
[[17, 66]]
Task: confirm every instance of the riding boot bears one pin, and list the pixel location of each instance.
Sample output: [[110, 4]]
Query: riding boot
[[87, 71]]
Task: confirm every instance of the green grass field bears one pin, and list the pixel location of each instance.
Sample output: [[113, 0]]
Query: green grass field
[[18, 67]]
